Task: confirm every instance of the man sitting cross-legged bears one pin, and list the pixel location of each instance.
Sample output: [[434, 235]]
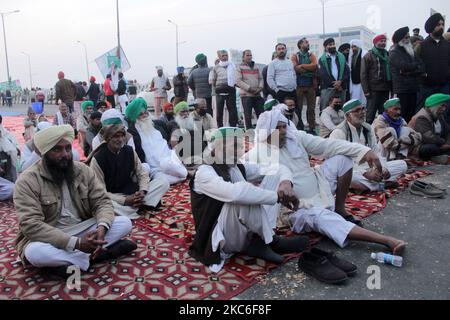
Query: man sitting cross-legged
[[233, 215], [65, 215], [279, 144], [119, 169], [355, 129]]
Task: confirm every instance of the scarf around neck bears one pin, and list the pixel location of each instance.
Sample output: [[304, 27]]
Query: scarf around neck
[[383, 56], [341, 59], [396, 124]]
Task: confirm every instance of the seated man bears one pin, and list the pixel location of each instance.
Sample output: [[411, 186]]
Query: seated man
[[233, 215], [87, 107], [279, 144], [331, 116], [119, 169], [395, 139], [151, 147], [111, 116], [168, 114], [30, 124], [63, 116], [103, 106], [185, 124], [203, 121], [8, 161], [430, 122], [65, 215], [94, 127], [355, 129], [290, 113]]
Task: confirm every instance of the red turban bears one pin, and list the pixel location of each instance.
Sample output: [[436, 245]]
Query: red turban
[[92, 79], [167, 106], [60, 75], [379, 38]]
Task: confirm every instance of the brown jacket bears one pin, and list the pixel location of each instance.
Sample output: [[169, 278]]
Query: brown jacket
[[373, 74], [248, 77], [38, 202], [65, 90], [423, 123]]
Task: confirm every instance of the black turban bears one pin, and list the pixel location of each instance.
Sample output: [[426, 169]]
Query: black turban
[[345, 46], [432, 22], [328, 41], [400, 34]]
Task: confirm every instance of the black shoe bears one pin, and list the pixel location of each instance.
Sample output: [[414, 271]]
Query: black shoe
[[284, 245], [118, 249], [258, 249], [57, 273], [349, 268], [321, 269]]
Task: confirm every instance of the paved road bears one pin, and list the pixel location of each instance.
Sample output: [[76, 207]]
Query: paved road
[[423, 223]]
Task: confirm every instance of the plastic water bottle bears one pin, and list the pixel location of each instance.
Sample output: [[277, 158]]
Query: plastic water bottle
[[387, 258], [381, 186]]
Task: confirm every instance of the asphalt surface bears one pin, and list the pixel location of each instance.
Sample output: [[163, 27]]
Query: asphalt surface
[[423, 223]]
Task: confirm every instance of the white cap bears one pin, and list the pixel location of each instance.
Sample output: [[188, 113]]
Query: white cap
[[373, 255]]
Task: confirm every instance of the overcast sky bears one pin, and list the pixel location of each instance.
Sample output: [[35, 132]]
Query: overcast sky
[[48, 30]]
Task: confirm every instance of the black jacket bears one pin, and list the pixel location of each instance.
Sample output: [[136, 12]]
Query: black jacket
[[326, 80], [436, 59], [93, 92], [405, 70], [121, 88]]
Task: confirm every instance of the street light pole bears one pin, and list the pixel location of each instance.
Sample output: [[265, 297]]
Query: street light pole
[[3, 14], [86, 56], [118, 30], [29, 68], [323, 16], [176, 38]]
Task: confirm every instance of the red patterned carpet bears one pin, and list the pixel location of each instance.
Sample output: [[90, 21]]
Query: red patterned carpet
[[160, 268]]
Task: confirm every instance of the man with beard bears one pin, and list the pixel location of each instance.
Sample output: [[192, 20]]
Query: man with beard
[[345, 50], [121, 172], [153, 150], [108, 118], [87, 107], [223, 78], [434, 51], [289, 113], [159, 86], [65, 215], [376, 80], [354, 129], [354, 61], [231, 214], [95, 125], [430, 122], [281, 75], [334, 73], [203, 121], [405, 70], [168, 114], [396, 140], [331, 116], [278, 144], [185, 124], [305, 65]]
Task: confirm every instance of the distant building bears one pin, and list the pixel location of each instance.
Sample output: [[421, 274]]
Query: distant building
[[344, 35]]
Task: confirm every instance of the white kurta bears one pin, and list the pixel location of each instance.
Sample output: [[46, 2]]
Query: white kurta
[[395, 168], [248, 209]]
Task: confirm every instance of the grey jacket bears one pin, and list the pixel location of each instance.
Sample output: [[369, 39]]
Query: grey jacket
[[199, 82]]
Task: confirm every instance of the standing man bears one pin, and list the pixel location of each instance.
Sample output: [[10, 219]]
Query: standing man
[[305, 65], [122, 93], [334, 73], [249, 79], [376, 80], [109, 92], [267, 91], [65, 91], [93, 92], [434, 51], [223, 78], [199, 81], [180, 86], [281, 75], [159, 86], [354, 61], [406, 70], [132, 90]]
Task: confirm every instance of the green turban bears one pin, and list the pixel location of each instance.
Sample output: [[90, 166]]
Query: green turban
[[200, 57], [86, 104], [181, 106], [391, 103], [436, 100], [135, 108], [270, 104], [350, 105]]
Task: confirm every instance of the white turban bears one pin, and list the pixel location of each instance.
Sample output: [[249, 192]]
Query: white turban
[[111, 117], [356, 42], [267, 125], [43, 125], [46, 139]]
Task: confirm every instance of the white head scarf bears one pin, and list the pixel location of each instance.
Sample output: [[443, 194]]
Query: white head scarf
[[359, 44], [111, 114]]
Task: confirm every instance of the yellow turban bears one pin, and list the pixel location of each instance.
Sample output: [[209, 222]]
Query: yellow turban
[[46, 139]]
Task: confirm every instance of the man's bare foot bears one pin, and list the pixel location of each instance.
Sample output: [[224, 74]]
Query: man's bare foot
[[397, 247]]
